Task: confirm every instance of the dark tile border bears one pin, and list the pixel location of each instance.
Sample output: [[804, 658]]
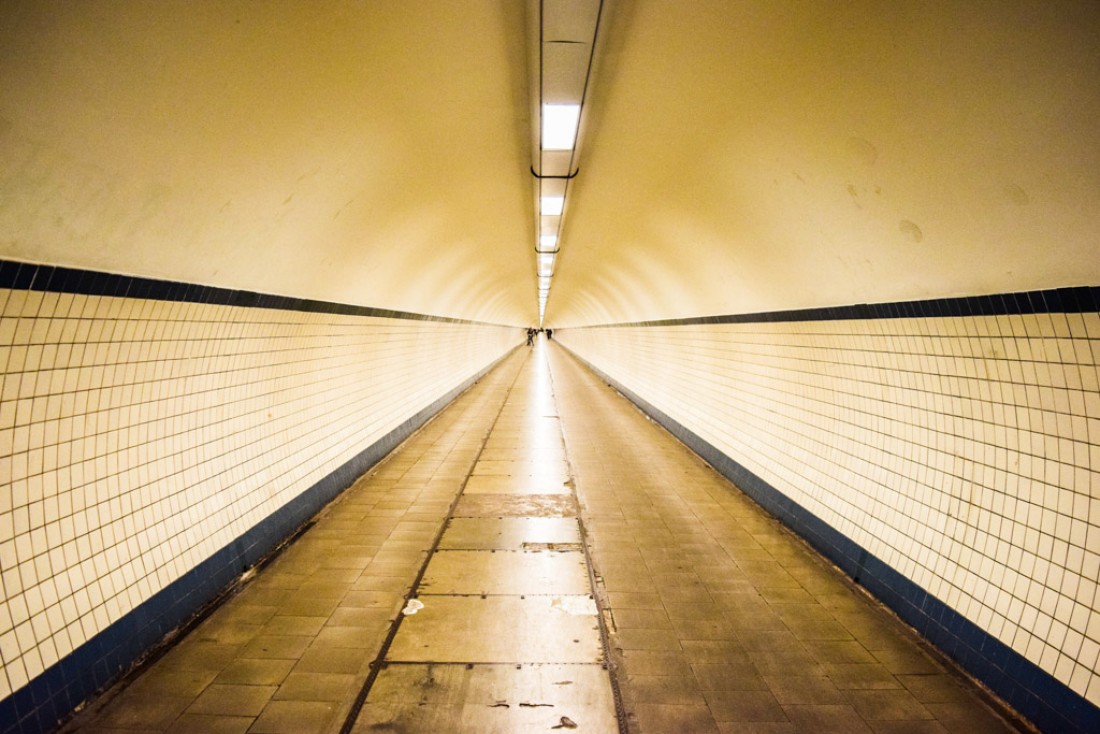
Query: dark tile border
[[1037, 695], [29, 276], [1080, 299]]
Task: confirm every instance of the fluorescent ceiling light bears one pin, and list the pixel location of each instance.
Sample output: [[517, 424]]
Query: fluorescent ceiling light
[[547, 241], [552, 205], [559, 126]]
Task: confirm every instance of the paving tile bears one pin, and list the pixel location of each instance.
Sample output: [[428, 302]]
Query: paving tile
[[143, 710], [511, 533], [838, 651], [757, 727], [242, 610], [903, 659], [681, 690], [803, 689], [302, 605], [232, 700], [295, 717], [209, 724], [294, 626], [705, 629], [935, 688], [506, 572], [641, 618], [645, 639], [629, 600], [826, 719], [968, 718], [924, 726], [738, 675], [201, 655], [388, 600], [500, 629], [371, 618], [879, 705], [653, 718], [769, 640], [357, 638], [332, 660], [785, 595], [696, 611], [256, 671], [656, 662], [276, 646], [166, 680], [304, 686], [848, 676], [744, 706]]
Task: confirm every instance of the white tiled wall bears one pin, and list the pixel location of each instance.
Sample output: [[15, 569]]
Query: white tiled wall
[[964, 452], [139, 437]]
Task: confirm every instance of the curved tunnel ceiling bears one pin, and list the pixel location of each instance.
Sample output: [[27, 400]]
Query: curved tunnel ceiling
[[757, 156], [735, 156], [372, 153]]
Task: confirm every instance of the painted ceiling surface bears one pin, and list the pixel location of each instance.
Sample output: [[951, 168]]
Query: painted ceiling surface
[[735, 156]]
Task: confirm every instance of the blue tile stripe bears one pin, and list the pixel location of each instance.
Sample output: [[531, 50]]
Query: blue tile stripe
[[1033, 692], [1082, 299], [29, 276]]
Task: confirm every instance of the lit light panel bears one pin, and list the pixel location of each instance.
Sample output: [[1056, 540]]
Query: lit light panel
[[559, 126], [552, 205]]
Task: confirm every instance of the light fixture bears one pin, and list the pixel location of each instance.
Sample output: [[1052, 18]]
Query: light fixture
[[559, 126], [563, 39], [552, 206]]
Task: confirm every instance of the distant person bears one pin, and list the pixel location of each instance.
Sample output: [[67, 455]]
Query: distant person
[[530, 336], [549, 334]]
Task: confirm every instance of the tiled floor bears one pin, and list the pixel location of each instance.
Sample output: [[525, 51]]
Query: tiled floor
[[716, 619]]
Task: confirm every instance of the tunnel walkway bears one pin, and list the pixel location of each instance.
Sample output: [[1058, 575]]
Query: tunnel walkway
[[490, 576]]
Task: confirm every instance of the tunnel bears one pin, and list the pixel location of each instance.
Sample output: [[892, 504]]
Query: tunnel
[[499, 366]]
